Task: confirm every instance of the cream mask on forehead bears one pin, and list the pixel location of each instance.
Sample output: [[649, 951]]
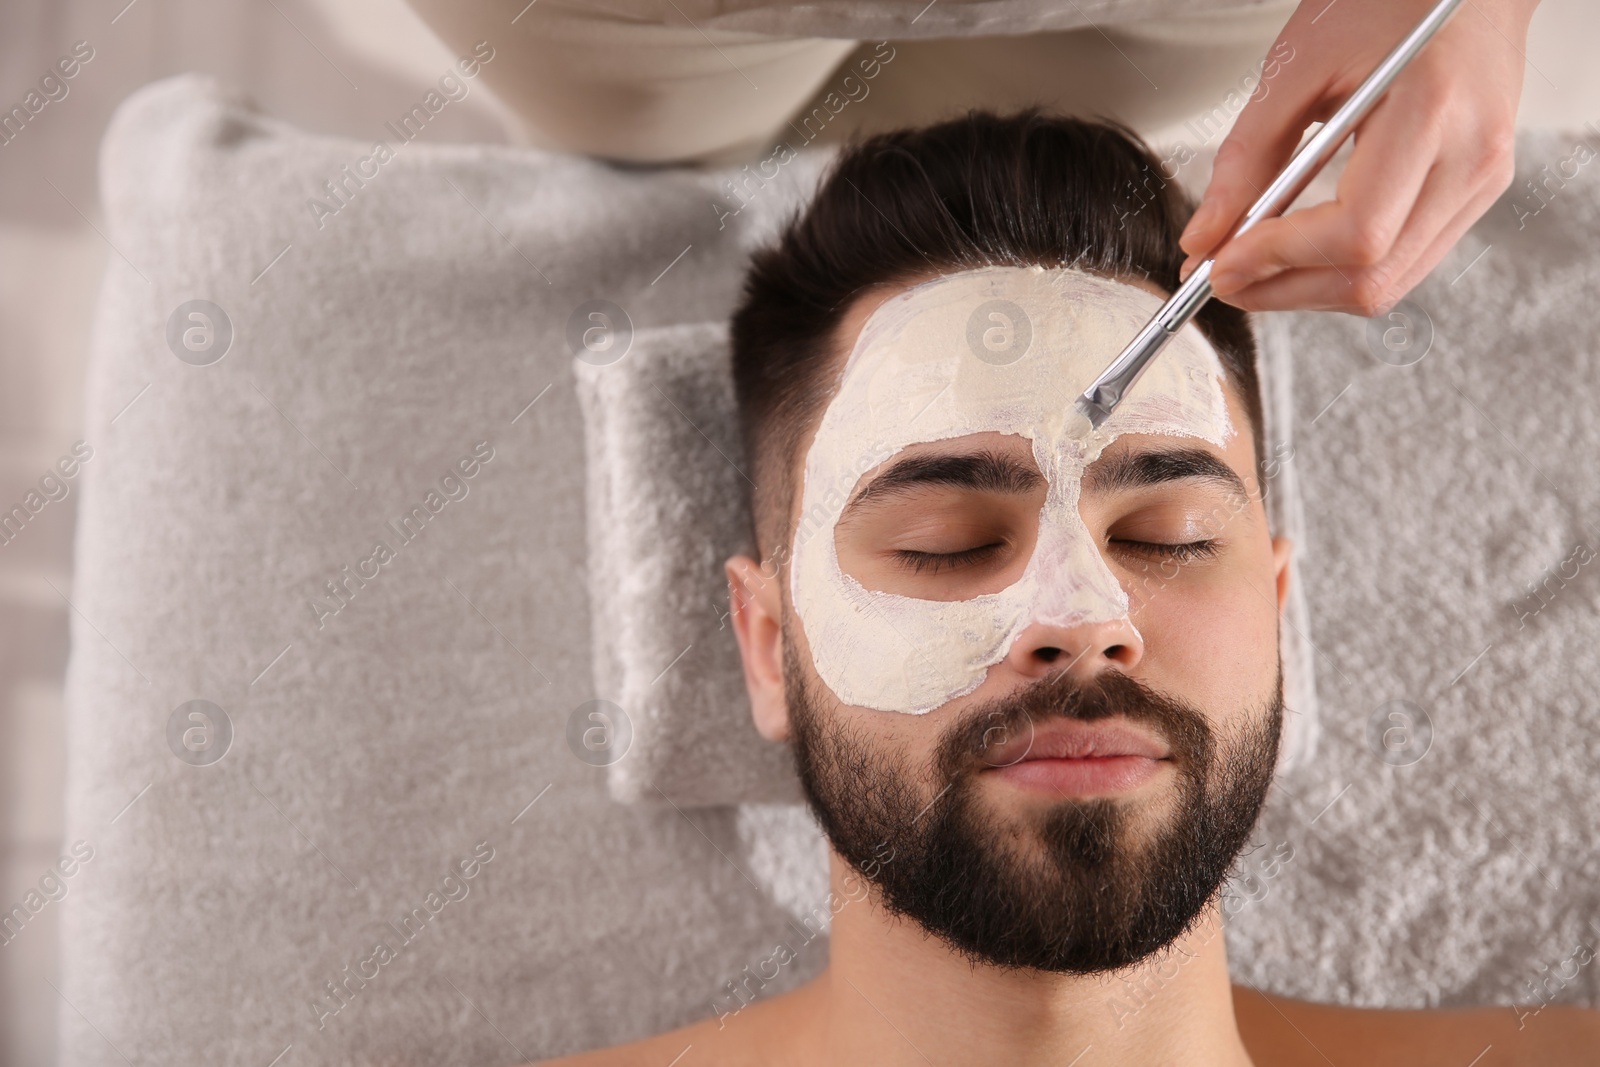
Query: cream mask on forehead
[[997, 349]]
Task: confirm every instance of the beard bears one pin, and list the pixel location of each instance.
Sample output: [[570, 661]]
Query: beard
[[1072, 887]]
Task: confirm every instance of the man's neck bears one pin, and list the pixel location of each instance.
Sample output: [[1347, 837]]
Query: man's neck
[[893, 994]]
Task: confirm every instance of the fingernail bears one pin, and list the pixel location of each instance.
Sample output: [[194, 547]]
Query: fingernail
[[1187, 269]]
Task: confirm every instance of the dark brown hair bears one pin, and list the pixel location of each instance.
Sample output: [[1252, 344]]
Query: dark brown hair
[[1029, 189]]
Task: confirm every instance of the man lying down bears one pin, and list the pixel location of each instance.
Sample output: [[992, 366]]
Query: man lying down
[[1031, 678]]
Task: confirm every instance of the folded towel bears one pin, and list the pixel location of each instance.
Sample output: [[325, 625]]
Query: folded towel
[[668, 501]]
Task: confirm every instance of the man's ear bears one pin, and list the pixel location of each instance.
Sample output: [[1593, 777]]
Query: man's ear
[[1282, 550], [757, 623]]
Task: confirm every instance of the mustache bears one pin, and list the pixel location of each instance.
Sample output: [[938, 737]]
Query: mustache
[[992, 723]]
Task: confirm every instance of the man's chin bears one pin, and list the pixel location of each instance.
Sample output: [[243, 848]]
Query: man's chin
[[1075, 836]]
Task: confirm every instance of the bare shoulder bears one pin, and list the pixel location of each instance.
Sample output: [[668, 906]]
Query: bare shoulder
[[759, 1034], [649, 1052], [1280, 1030]]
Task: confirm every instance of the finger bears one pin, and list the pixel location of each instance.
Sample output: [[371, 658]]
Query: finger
[[1446, 239], [1389, 167], [1436, 223], [1263, 137], [1496, 179], [1327, 289], [1302, 289]]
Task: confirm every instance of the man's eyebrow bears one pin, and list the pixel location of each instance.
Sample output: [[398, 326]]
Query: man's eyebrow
[[1133, 470], [985, 471]]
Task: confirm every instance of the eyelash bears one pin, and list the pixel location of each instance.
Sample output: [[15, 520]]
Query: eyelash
[[935, 562], [1187, 552]]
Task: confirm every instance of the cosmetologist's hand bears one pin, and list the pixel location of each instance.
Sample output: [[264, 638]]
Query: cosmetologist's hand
[[1428, 160]]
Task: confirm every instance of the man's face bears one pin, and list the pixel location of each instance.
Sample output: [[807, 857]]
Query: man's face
[[1077, 809]]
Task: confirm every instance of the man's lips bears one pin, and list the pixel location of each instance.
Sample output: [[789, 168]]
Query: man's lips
[[1074, 739], [1069, 757]]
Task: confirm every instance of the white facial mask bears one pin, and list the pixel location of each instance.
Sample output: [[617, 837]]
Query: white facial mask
[[1001, 349]]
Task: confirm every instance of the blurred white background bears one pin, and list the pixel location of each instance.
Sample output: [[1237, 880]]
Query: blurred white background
[[336, 66]]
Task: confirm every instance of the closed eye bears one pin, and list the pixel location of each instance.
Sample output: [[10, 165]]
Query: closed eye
[[1185, 552], [937, 562]]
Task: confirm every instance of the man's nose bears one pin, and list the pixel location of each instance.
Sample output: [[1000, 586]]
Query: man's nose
[[1082, 650]]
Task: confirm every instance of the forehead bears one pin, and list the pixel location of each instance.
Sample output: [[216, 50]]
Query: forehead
[[1007, 349]]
